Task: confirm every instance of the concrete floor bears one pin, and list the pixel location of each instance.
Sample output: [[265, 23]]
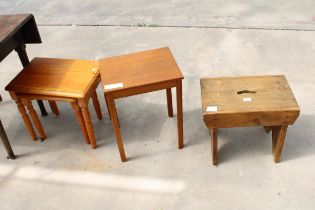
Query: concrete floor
[[65, 173]]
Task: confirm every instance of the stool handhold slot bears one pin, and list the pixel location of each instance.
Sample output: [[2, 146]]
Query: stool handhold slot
[[245, 91]]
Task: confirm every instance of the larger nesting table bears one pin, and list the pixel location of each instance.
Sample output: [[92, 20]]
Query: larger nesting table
[[139, 73], [249, 101]]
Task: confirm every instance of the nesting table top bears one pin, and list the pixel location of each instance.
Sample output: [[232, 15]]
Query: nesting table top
[[57, 77], [138, 69]]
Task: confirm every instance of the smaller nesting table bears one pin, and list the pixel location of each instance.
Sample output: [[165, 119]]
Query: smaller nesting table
[[249, 101], [139, 73], [53, 79]]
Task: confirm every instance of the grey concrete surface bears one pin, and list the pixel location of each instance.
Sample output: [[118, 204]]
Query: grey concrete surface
[[279, 14], [65, 173]]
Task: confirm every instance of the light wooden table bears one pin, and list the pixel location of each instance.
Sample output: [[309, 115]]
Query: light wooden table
[[139, 73], [249, 101], [52, 79]]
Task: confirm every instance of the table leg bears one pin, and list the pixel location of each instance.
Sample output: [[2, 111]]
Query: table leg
[[24, 60], [5, 142], [214, 145], [106, 100], [54, 107], [88, 123], [79, 116], [97, 106], [278, 138], [169, 102], [113, 113], [180, 114], [26, 119], [33, 114], [267, 128]]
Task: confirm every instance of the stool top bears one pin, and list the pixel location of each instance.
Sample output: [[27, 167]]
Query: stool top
[[56, 77], [251, 100], [139, 69]]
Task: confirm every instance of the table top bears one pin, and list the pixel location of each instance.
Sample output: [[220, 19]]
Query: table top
[[249, 94], [56, 77], [10, 24], [138, 69]]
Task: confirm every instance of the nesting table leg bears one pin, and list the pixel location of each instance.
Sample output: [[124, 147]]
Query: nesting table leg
[[6, 142], [97, 106], [35, 119], [76, 108], [54, 107], [107, 105], [278, 138], [169, 102], [180, 114], [88, 123], [214, 145], [24, 60], [113, 113], [26, 119]]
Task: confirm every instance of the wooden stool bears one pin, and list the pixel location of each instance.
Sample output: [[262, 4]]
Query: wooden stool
[[74, 81], [139, 73], [249, 101]]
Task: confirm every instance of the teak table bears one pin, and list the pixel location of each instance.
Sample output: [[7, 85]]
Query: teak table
[[5, 140], [16, 31], [249, 101], [139, 73], [52, 79]]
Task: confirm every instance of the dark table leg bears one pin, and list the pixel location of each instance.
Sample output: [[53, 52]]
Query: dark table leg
[[6, 142], [24, 60]]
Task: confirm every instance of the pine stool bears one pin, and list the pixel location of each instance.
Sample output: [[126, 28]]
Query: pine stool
[[73, 81], [266, 101]]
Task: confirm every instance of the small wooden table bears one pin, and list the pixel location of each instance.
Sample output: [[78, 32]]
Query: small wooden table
[[139, 73], [249, 101], [53, 79]]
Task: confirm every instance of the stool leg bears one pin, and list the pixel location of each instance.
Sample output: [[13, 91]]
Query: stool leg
[[180, 114], [214, 145], [169, 102], [26, 119], [97, 106], [35, 119], [278, 141], [79, 116], [113, 113], [88, 124], [6, 142], [54, 107]]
